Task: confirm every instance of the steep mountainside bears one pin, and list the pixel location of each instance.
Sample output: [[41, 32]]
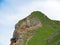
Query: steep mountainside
[[36, 29]]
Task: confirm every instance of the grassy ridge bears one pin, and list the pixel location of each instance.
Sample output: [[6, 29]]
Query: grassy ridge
[[49, 27]]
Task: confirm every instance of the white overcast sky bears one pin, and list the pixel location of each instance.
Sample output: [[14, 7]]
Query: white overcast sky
[[11, 11]]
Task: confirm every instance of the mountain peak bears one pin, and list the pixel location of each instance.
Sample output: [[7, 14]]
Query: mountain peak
[[35, 27]]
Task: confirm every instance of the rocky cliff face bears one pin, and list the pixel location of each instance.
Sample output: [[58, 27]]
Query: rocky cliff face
[[25, 30]]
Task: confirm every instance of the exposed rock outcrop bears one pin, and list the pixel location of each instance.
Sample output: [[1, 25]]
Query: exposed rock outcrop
[[25, 30]]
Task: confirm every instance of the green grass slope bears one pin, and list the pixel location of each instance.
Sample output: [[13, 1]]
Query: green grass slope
[[48, 30]]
